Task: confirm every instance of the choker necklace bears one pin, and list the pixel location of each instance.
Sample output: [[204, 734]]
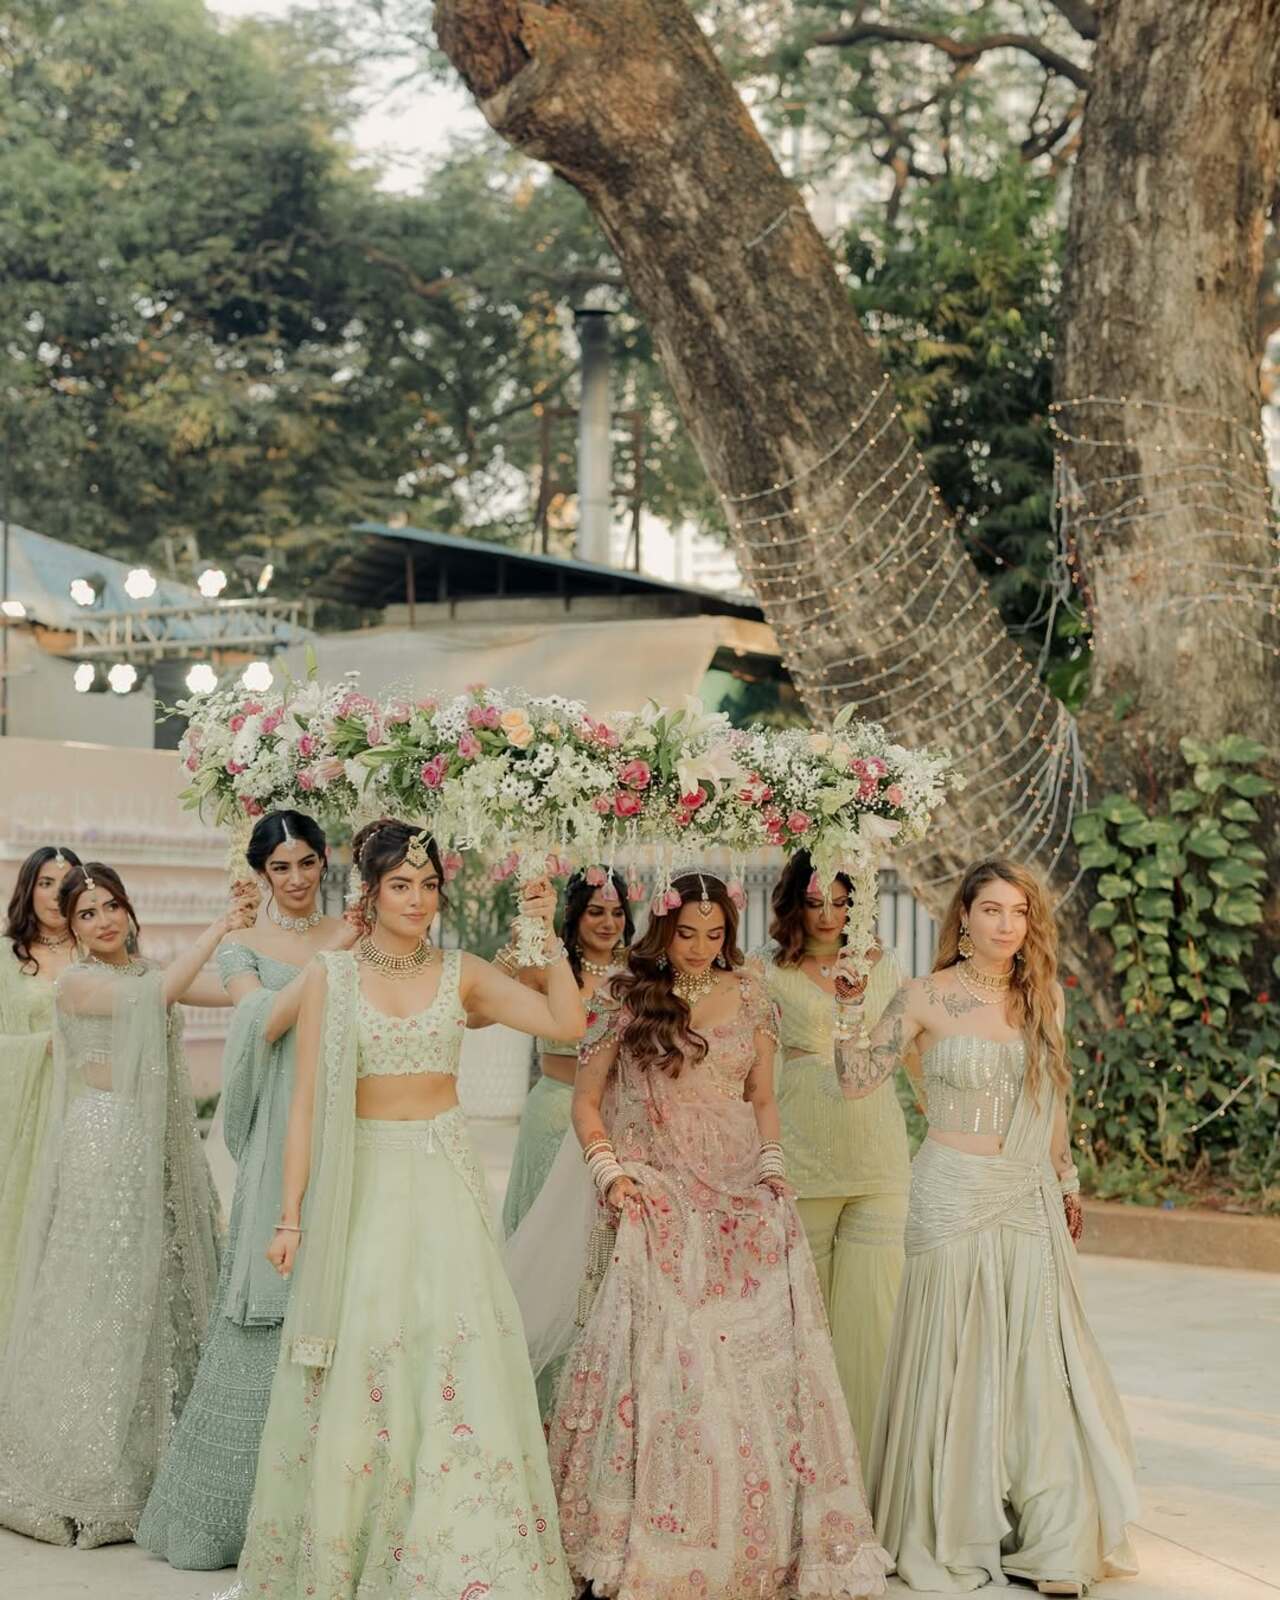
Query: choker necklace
[[826, 968], [395, 966], [691, 986], [293, 924], [597, 969], [127, 969], [983, 987], [53, 944]]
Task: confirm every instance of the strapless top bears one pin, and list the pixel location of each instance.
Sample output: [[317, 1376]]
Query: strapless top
[[428, 1041], [972, 1085]]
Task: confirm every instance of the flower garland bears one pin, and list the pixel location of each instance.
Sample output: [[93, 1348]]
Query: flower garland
[[536, 781]]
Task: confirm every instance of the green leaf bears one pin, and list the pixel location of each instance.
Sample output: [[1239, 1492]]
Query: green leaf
[[1237, 910], [1113, 887], [1103, 915], [1195, 753], [1184, 800], [1205, 840], [1275, 967], [1239, 750], [1233, 874], [1162, 985], [1097, 855], [1123, 935], [1138, 835], [1209, 779], [1122, 960], [1120, 810], [1251, 784], [1152, 905], [1179, 1010], [1235, 831], [1239, 811], [1088, 827], [1149, 875]]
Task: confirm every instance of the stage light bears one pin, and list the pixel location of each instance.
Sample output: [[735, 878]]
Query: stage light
[[140, 584], [257, 676], [14, 609], [122, 677], [84, 677], [83, 592], [264, 578], [211, 582], [202, 679]]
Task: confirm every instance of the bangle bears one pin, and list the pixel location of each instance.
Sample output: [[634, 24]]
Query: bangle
[[595, 1147], [1069, 1181], [505, 960], [287, 1227]]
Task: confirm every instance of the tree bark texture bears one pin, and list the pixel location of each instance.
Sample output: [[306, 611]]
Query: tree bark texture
[[1170, 512], [865, 582], [858, 569]]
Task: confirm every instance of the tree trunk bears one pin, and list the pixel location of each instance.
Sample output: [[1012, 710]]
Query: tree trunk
[[1171, 514], [835, 522], [866, 584]]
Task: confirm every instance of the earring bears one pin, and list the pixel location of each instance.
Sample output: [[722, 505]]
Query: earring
[[1018, 957], [721, 962], [662, 963], [965, 944]]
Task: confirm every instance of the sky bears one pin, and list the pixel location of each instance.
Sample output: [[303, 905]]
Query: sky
[[406, 128]]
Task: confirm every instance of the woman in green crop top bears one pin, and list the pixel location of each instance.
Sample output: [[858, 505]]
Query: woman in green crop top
[[1000, 1447]]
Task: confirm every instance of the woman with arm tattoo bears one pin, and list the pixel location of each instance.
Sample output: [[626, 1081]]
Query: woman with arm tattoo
[[991, 1357]]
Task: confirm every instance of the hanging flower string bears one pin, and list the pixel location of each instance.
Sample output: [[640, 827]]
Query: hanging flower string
[[539, 784]]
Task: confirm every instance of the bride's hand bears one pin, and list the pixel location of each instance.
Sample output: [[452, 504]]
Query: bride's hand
[[778, 1186], [282, 1249], [623, 1192]]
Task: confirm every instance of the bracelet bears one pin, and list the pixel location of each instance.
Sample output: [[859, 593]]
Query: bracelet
[[1069, 1181], [605, 1170], [287, 1227], [505, 960], [552, 952], [595, 1147]]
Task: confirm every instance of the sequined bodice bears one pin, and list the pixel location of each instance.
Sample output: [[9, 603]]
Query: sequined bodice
[[428, 1041], [972, 1085], [90, 1034]]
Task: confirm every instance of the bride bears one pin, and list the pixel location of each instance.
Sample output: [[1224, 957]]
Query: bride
[[699, 1440]]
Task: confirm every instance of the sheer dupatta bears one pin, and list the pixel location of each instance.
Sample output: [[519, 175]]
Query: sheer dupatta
[[121, 1229], [311, 1322]]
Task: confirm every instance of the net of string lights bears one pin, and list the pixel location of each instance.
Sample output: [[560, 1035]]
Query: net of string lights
[[934, 661]]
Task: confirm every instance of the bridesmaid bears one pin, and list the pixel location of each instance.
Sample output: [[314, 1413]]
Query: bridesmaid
[[38, 948], [597, 932], [119, 1246], [699, 1441], [403, 1452], [848, 1162], [991, 1359], [196, 1515]]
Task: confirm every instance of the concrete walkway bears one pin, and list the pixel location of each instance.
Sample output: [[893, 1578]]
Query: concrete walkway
[[1196, 1353]]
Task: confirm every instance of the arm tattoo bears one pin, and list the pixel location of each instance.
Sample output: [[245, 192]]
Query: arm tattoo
[[860, 1068], [955, 1005]]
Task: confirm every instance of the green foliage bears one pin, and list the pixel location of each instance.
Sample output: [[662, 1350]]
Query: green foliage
[[960, 294], [1180, 1094]]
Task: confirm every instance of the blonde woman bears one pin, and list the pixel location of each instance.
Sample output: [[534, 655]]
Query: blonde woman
[[849, 1164], [1000, 1448]]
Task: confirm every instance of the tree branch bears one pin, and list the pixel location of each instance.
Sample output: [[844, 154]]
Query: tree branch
[[959, 50], [1080, 14]]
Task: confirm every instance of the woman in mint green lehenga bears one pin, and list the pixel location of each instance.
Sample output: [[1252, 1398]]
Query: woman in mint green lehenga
[[195, 1517], [1000, 1447], [403, 1452]]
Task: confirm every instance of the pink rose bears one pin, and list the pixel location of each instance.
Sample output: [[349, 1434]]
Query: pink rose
[[272, 721], [234, 767], [492, 717], [602, 805], [691, 802], [475, 716], [894, 795], [307, 746], [251, 708], [433, 771], [627, 804], [798, 822], [399, 711], [468, 747], [251, 807], [452, 864], [428, 703], [237, 722], [636, 775], [595, 877]]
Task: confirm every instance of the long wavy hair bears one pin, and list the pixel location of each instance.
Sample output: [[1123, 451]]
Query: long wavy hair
[[1033, 1000], [22, 924], [786, 926], [577, 897], [97, 875], [660, 1031]]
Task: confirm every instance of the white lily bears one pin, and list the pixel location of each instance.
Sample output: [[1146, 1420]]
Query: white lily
[[716, 765]]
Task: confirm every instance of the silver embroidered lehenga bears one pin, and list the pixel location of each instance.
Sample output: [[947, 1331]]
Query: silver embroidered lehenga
[[699, 1441], [118, 1262]]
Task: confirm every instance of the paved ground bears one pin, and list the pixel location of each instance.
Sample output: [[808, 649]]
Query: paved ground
[[1196, 1352]]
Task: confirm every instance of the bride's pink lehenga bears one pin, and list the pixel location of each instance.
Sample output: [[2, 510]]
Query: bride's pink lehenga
[[700, 1444]]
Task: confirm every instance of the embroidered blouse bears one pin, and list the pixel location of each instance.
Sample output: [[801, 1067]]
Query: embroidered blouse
[[971, 1084], [428, 1041]]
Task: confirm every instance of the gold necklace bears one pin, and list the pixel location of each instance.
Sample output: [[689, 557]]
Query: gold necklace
[[987, 998], [988, 980], [392, 966], [691, 986], [53, 944]]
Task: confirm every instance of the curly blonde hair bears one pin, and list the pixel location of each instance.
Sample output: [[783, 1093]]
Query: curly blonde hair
[[1033, 998]]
